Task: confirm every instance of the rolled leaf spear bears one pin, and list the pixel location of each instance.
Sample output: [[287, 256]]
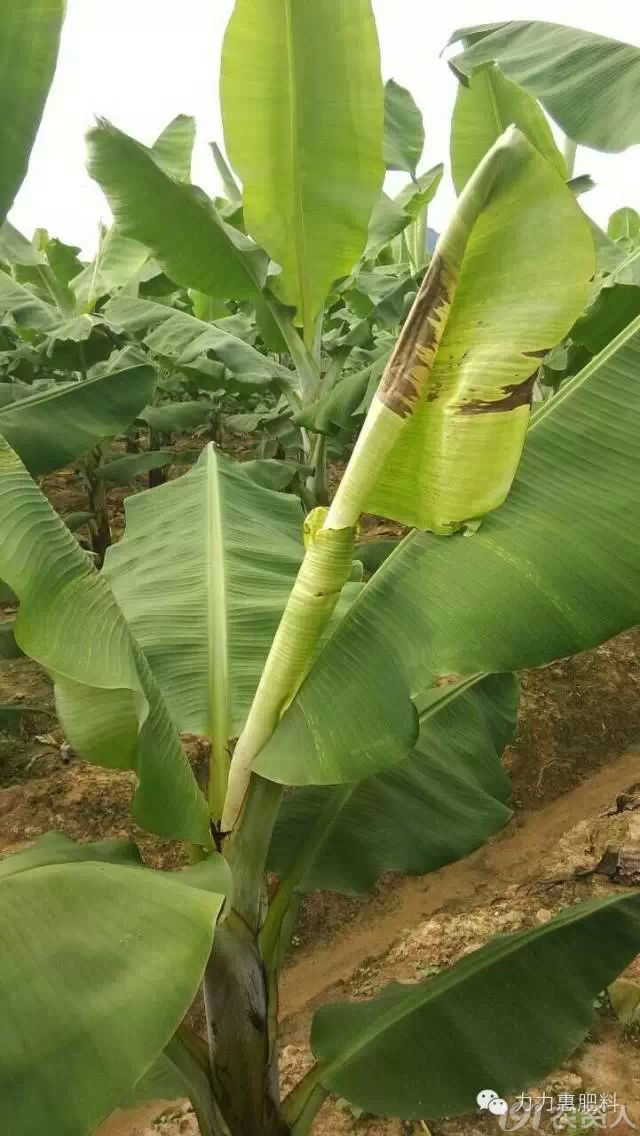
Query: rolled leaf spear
[[330, 535]]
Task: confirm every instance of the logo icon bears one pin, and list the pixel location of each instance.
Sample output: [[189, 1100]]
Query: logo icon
[[489, 1100]]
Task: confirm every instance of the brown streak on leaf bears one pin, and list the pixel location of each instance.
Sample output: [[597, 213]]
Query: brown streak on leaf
[[412, 360], [518, 394], [446, 680]]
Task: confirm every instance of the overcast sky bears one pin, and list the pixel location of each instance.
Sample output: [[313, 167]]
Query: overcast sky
[[141, 62]]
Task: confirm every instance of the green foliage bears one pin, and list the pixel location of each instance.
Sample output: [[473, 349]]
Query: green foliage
[[186, 341], [541, 558], [173, 149], [52, 428], [310, 162], [624, 226], [175, 221], [614, 309], [422, 1051], [107, 700], [29, 38], [446, 798], [403, 129], [122, 471], [217, 605], [234, 608], [556, 65], [485, 106], [104, 935]]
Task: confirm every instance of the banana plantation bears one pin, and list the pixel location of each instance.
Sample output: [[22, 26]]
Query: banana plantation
[[319, 585]]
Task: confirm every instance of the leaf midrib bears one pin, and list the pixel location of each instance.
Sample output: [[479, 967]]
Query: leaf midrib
[[296, 179], [416, 999], [217, 629], [65, 388]]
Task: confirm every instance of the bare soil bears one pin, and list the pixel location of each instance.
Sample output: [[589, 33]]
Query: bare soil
[[575, 750]]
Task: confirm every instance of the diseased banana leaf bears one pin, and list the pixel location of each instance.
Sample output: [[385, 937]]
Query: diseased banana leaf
[[553, 572]]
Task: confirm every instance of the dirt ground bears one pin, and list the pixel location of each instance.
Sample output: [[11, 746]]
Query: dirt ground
[[576, 749]]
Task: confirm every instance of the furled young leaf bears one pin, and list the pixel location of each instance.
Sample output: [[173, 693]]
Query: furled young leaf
[[553, 572], [588, 83], [524, 279], [57, 426], [403, 129], [503, 1016], [202, 576], [176, 221], [440, 803], [29, 39], [69, 622], [485, 106], [302, 105], [84, 950], [173, 149]]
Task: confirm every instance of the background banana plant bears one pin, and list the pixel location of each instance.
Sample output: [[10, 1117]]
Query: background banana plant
[[230, 611]]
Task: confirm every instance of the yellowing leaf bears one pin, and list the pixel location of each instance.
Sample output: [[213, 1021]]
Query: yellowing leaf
[[524, 279], [486, 106]]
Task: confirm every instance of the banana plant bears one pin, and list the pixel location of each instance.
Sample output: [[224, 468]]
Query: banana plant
[[66, 409], [306, 229], [78, 392], [225, 612], [354, 727]]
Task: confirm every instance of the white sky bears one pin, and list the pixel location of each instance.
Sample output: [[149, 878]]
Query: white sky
[[141, 62]]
